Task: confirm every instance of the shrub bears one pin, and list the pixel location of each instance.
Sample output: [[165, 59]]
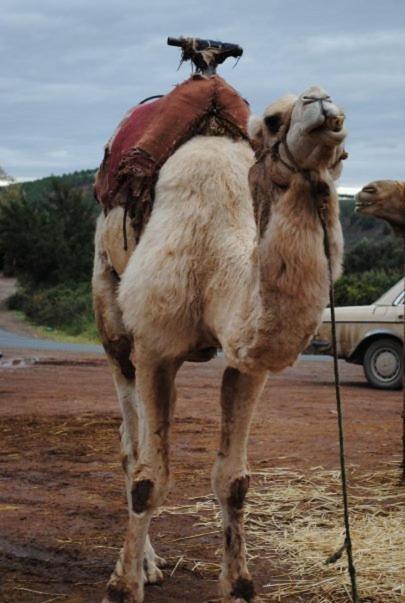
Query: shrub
[[67, 306], [385, 254], [364, 288]]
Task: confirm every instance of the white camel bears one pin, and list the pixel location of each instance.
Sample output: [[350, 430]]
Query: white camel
[[204, 275]]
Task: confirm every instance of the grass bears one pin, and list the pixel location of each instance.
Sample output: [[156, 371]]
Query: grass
[[88, 336]]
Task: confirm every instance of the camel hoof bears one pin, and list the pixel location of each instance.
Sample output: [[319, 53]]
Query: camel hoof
[[238, 590], [118, 592], [160, 561], [152, 573], [239, 600], [151, 565]]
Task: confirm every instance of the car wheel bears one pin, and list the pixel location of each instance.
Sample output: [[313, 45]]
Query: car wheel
[[383, 364]]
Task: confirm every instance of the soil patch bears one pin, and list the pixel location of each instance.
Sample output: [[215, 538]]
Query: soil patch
[[62, 499]]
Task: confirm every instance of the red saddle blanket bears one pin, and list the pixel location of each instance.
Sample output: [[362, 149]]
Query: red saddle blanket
[[151, 132]]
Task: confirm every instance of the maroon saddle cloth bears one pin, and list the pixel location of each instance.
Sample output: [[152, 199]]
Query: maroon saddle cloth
[[151, 132]]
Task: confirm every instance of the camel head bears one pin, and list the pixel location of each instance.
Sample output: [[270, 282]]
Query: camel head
[[384, 199], [304, 132]]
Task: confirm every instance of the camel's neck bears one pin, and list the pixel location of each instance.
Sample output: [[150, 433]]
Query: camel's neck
[[293, 273]]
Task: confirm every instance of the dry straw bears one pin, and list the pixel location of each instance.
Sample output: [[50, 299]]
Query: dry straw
[[295, 521]]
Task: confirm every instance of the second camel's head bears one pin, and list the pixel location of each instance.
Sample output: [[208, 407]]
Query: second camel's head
[[384, 199]]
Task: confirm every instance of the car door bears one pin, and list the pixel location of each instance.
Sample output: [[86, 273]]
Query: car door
[[395, 316]]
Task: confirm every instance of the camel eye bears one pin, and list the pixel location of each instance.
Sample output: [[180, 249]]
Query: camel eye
[[273, 122]]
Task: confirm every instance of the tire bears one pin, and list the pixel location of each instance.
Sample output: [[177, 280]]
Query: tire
[[383, 364]]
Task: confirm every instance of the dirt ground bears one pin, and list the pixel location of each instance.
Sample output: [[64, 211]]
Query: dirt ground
[[62, 500], [9, 320]]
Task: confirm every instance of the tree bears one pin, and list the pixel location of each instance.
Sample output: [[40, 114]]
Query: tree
[[50, 240], [381, 254]]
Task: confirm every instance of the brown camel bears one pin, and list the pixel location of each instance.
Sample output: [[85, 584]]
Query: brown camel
[[204, 275], [384, 199]]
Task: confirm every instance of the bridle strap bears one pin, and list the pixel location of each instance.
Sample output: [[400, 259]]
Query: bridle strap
[[293, 164], [295, 167]]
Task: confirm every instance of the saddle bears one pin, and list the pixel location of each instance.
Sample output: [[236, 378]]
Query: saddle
[[151, 132]]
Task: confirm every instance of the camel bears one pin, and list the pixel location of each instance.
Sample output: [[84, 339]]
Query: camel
[[384, 199], [204, 275]]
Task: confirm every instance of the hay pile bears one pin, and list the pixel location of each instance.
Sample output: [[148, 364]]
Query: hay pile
[[294, 522]]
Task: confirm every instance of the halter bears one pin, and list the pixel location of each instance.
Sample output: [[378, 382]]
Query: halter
[[319, 188], [317, 99], [294, 165]]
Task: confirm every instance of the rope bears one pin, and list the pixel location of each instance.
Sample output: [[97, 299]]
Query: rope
[[124, 221], [347, 545], [403, 376]]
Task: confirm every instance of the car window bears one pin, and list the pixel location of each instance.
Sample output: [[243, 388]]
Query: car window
[[399, 301]]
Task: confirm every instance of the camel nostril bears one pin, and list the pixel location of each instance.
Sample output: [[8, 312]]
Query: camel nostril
[[369, 189], [335, 122]]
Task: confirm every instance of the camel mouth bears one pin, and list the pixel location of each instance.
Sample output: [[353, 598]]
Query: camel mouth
[[332, 124], [362, 199], [331, 138], [332, 130], [359, 205], [335, 123]]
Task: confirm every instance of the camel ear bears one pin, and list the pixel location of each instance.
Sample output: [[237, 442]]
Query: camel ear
[[255, 131], [273, 122]]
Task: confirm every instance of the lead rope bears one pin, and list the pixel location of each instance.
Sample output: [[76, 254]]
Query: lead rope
[[347, 545], [403, 375], [322, 212]]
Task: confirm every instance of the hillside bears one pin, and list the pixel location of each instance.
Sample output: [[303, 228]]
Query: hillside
[[355, 226], [37, 189]]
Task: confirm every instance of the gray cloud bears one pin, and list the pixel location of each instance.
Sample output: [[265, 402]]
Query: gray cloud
[[71, 70]]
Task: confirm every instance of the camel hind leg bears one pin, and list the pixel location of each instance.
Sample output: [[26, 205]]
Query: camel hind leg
[[230, 478]]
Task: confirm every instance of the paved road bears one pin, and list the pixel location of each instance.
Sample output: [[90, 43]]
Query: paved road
[[12, 340]]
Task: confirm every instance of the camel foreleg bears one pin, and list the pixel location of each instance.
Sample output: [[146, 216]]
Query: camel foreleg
[[149, 482], [231, 480], [128, 434]]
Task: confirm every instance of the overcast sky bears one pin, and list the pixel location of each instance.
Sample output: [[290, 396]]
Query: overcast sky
[[70, 70]]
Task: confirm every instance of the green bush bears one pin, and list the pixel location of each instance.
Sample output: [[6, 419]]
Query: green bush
[[67, 307], [46, 240], [364, 288], [375, 255]]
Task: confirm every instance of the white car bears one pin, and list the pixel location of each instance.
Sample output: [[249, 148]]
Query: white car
[[370, 335]]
